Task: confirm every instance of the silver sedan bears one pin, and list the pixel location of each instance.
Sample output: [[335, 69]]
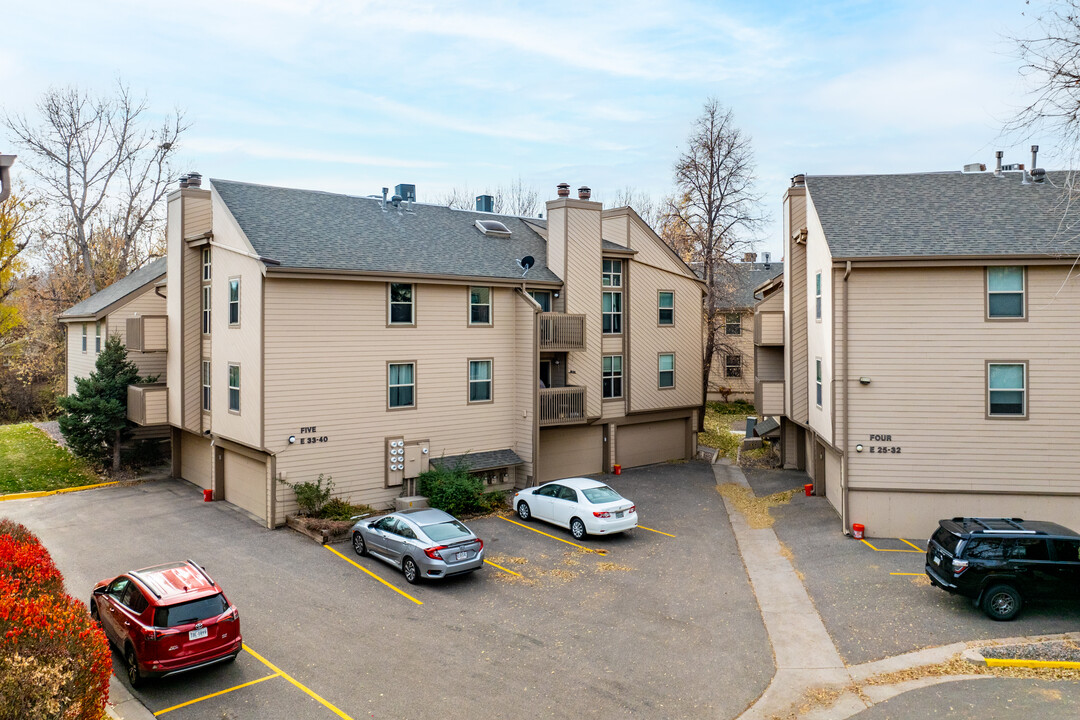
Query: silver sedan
[[422, 543]]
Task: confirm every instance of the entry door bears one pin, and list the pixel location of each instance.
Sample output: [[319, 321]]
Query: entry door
[[545, 373], [819, 469]]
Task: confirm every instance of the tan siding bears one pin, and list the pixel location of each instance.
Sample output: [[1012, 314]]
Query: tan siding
[[583, 295], [147, 302], [155, 333], [197, 216], [832, 477], [616, 227], [612, 344], [79, 363], [769, 363], [245, 483], [647, 340], [841, 374], [797, 288], [175, 354], [195, 459], [649, 443], [192, 347], [327, 346], [742, 344], [921, 338], [772, 327], [525, 373], [772, 398], [556, 245]]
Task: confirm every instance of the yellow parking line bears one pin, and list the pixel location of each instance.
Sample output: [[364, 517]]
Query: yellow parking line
[[46, 493], [655, 531], [212, 695], [907, 573], [361, 567], [502, 568], [913, 545], [297, 683], [598, 552], [1003, 662], [888, 549]]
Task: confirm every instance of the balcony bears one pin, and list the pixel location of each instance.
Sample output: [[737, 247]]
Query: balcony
[[769, 397], [148, 404], [147, 333], [769, 328], [562, 406], [560, 332]]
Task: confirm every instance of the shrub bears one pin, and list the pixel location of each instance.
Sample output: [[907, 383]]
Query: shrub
[[457, 492], [311, 496], [338, 509], [55, 663]]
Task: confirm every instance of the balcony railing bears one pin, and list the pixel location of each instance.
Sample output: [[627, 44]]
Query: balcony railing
[[561, 332], [769, 328], [148, 404], [769, 397], [562, 406]]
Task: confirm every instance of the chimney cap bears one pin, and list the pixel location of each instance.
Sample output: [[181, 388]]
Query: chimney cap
[[798, 180], [183, 181], [584, 192], [194, 179], [564, 189]]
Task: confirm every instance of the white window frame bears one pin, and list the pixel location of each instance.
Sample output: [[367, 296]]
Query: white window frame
[[818, 383], [817, 296], [475, 305], [1022, 292], [234, 304], [490, 381], [608, 373], [660, 308], [612, 277], [412, 384], [737, 325], [207, 268], [97, 337], [1023, 390], [84, 338], [206, 385], [615, 315], [390, 303], [206, 298], [234, 388], [660, 372]]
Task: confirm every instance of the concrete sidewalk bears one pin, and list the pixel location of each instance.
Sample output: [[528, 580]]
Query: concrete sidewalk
[[123, 705]]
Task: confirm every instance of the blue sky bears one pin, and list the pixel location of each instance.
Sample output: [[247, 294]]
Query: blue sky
[[350, 96]]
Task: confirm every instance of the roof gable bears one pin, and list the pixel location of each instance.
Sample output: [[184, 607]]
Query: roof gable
[[102, 300]]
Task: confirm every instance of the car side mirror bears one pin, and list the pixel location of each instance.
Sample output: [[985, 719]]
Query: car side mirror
[[101, 590]]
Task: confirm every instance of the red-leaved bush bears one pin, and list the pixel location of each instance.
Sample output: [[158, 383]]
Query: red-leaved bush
[[54, 660]]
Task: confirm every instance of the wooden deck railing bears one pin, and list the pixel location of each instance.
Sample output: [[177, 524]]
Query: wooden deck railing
[[562, 406], [769, 397], [148, 404], [562, 332]]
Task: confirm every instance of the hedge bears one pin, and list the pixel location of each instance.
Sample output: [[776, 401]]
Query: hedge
[[55, 662]]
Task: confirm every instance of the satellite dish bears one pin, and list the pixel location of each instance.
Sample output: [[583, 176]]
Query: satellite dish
[[525, 263]]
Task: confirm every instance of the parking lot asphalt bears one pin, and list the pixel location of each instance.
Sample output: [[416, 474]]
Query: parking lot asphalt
[[663, 625], [996, 699], [877, 603]]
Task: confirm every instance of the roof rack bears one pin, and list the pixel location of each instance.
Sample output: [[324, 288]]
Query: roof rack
[[201, 572], [994, 525], [146, 582]]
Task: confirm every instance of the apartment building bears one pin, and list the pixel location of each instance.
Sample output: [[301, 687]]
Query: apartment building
[[734, 359], [931, 336], [368, 338], [133, 309]]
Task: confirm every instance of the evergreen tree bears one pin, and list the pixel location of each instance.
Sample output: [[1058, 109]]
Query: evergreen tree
[[94, 422]]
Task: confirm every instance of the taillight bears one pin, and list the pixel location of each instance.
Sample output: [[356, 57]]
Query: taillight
[[958, 567], [481, 544], [433, 553], [232, 617], [632, 509], [150, 633], [604, 514]]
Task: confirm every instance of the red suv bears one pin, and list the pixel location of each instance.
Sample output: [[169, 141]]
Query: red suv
[[167, 619]]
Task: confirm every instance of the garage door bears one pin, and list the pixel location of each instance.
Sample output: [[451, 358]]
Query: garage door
[[245, 483], [195, 459], [566, 452], [648, 443]]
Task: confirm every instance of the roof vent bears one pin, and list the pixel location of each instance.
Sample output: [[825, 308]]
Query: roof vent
[[564, 189], [997, 171], [492, 228], [974, 167], [584, 192], [183, 182], [767, 258], [485, 203], [798, 180], [194, 179]]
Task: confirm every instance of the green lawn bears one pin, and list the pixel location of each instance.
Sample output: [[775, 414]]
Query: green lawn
[[31, 461], [719, 418]]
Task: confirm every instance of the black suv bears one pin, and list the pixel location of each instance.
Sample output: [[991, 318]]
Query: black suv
[[999, 562]]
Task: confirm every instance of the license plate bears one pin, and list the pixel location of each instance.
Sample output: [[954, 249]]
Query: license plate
[[462, 555], [198, 634], [619, 514], [937, 559]]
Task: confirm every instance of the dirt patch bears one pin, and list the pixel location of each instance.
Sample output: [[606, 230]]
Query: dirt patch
[[755, 509], [320, 530], [612, 567], [786, 552], [919, 580]]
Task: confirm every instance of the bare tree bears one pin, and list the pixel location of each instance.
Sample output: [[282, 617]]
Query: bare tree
[[517, 198], [99, 164], [459, 198], [644, 204], [1051, 61], [715, 210]]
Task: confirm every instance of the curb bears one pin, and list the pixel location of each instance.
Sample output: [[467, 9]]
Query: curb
[[123, 705], [46, 493], [976, 658]]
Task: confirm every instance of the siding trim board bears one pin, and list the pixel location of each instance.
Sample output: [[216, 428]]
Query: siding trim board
[[959, 490], [414, 278]]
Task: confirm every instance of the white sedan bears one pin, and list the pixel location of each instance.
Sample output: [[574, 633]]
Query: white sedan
[[587, 507]]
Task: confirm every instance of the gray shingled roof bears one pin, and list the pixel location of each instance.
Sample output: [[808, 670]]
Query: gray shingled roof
[[319, 230], [479, 461], [751, 275], [117, 291], [941, 214]]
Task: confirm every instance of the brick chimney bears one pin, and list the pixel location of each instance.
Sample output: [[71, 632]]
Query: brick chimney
[[749, 257]]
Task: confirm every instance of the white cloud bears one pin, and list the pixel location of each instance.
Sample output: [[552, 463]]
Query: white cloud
[[264, 150]]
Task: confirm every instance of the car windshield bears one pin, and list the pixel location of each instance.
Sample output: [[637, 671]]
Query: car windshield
[[601, 494], [947, 540], [446, 531], [189, 612]]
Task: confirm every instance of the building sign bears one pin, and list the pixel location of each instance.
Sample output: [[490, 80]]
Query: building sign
[[310, 436], [882, 445]]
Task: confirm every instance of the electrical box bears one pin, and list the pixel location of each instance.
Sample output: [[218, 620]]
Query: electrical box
[[416, 458], [405, 459]]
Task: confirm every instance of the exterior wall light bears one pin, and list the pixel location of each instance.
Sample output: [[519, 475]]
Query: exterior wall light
[[864, 380], [292, 439], [858, 448]]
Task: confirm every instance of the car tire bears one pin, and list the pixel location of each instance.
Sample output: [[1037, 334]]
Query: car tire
[[524, 511], [1002, 602], [411, 571], [94, 611], [358, 544], [577, 528], [134, 676]]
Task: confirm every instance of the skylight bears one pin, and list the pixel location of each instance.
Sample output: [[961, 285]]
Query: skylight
[[494, 228]]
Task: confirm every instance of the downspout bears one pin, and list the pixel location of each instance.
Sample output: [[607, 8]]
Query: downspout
[[847, 383]]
